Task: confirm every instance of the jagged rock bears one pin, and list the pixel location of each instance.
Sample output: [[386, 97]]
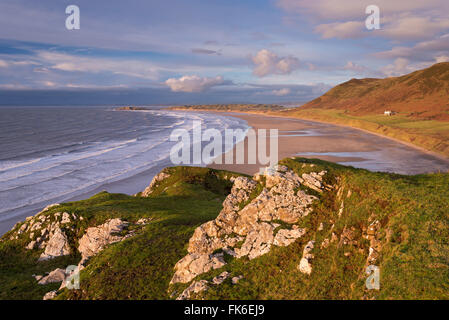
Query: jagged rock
[[158, 178], [313, 180], [38, 277], [257, 242], [194, 264], [57, 275], [285, 237], [50, 295], [31, 245], [348, 237], [65, 218], [304, 265], [251, 226], [97, 238], [221, 277], [325, 243], [375, 244], [143, 221], [57, 246], [236, 280], [195, 287]]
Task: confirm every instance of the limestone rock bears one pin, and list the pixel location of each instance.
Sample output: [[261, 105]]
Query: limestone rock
[[221, 277], [57, 275], [195, 287], [313, 180], [285, 237], [31, 245], [57, 246], [194, 264], [50, 295], [257, 242], [304, 265], [65, 218], [157, 179], [236, 280], [97, 238], [249, 230]]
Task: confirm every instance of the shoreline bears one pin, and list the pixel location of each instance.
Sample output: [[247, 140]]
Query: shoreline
[[343, 140], [275, 115], [342, 144]]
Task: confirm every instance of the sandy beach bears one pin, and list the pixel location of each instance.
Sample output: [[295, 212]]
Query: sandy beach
[[339, 144], [302, 138]]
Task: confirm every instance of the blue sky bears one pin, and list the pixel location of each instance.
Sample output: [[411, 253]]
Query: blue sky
[[212, 51]]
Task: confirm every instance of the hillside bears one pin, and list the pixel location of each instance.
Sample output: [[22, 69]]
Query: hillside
[[256, 108], [307, 232], [423, 94]]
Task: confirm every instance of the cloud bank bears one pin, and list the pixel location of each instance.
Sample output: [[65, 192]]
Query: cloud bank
[[267, 62], [194, 83]]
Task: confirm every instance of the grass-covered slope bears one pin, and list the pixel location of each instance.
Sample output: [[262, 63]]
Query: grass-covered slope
[[139, 267], [422, 94], [414, 235]]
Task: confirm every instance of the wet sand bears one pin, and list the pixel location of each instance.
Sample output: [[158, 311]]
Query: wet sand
[[302, 138], [339, 144]]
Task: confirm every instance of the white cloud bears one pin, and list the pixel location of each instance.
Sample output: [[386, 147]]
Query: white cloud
[[193, 83], [281, 92], [441, 59], [399, 67], [400, 19], [341, 30], [412, 27], [352, 66], [425, 50], [267, 62], [350, 9], [3, 64], [49, 84], [71, 63]]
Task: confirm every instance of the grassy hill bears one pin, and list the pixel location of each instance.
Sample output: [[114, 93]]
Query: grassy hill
[[423, 94], [414, 233], [256, 108]]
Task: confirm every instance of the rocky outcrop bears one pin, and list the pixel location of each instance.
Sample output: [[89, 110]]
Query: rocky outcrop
[[375, 244], [57, 275], [195, 264], [250, 224], [304, 265], [97, 238], [284, 237], [156, 180], [199, 286], [50, 295], [57, 245], [195, 288], [221, 277]]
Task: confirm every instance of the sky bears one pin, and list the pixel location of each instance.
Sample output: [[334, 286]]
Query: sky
[[210, 51]]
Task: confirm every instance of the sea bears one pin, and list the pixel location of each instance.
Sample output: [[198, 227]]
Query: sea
[[55, 154]]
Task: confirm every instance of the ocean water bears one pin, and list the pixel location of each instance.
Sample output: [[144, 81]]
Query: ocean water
[[52, 154]]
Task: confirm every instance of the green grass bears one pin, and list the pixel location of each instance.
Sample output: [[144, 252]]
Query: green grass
[[431, 135], [414, 261]]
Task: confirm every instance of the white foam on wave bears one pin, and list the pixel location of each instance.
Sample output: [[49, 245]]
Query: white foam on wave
[[64, 175]]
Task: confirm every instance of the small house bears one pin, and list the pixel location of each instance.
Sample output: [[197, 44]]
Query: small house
[[389, 113]]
